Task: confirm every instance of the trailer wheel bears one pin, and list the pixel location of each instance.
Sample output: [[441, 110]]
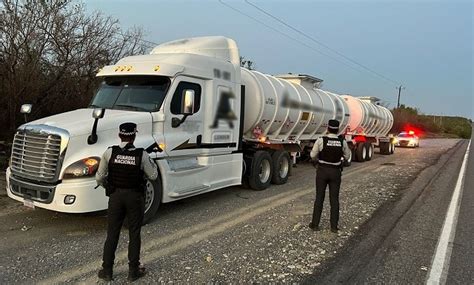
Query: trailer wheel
[[261, 171], [361, 152], [281, 167], [153, 195], [385, 148], [370, 151], [348, 162]]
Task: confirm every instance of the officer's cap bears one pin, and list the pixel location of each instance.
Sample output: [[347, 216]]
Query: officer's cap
[[127, 129], [333, 124]]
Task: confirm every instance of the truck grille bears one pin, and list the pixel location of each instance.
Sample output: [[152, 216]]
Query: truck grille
[[37, 153]]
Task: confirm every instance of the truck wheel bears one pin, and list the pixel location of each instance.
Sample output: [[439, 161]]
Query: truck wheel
[[281, 167], [385, 148], [361, 152], [370, 151], [261, 171], [153, 195]]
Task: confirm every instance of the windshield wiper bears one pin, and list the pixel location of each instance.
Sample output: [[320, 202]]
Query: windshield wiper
[[132, 107]]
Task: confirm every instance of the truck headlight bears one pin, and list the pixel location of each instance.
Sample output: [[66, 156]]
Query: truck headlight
[[83, 168]]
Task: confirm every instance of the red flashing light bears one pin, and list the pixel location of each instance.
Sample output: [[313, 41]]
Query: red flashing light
[[411, 132]]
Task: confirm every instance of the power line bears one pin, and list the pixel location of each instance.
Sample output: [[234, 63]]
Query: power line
[[286, 35], [320, 43]]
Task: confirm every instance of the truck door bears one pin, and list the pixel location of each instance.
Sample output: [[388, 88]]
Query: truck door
[[184, 117], [224, 125]]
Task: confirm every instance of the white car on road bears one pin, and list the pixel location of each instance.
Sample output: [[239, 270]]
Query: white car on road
[[407, 139]]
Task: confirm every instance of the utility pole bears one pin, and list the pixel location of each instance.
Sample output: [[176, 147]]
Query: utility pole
[[399, 91]]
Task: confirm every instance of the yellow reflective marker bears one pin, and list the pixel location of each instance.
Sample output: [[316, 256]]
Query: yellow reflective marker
[[157, 68]]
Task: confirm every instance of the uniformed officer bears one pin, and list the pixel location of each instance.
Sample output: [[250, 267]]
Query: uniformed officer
[[122, 172], [328, 151]]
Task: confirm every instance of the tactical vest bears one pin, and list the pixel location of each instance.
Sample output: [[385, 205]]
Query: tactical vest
[[125, 169], [331, 153]]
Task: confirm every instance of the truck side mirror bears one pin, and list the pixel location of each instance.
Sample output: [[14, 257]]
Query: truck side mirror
[[98, 113], [26, 109], [187, 106]]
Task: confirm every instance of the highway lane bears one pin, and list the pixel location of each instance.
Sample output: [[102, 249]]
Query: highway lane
[[398, 244]]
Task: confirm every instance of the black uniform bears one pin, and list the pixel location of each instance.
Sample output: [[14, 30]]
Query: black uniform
[[125, 188], [328, 173], [122, 171], [329, 151]]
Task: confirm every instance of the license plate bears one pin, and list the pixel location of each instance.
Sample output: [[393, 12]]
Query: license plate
[[28, 203]]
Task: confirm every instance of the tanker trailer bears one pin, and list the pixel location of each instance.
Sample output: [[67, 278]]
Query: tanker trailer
[[368, 126], [289, 109], [206, 122]]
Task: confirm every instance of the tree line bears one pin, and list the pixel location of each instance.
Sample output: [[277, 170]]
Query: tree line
[[50, 52], [431, 125]]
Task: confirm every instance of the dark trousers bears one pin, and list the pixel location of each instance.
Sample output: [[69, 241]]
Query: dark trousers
[[327, 176], [124, 203]]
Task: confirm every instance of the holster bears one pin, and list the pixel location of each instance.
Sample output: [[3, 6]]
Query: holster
[[109, 190]]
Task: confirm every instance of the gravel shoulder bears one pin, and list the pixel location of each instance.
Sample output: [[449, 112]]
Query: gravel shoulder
[[232, 235]]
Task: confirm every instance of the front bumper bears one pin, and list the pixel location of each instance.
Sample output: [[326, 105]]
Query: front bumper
[[87, 199], [406, 144]]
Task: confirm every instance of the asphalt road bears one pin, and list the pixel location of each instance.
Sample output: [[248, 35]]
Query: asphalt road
[[239, 235], [397, 245]]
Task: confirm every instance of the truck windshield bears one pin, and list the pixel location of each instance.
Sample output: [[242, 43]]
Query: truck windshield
[[137, 93]]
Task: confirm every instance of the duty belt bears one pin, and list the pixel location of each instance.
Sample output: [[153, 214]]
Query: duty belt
[[330, 164]]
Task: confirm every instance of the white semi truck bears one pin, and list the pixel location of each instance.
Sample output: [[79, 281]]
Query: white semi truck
[[207, 122]]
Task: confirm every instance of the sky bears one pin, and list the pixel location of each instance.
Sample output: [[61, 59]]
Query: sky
[[425, 46]]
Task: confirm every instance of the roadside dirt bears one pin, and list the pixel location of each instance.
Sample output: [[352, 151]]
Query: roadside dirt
[[7, 206]]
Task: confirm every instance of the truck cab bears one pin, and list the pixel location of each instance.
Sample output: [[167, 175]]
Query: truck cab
[[175, 97]]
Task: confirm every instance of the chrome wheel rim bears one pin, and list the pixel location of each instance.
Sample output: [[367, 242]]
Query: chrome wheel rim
[[264, 174], [284, 167]]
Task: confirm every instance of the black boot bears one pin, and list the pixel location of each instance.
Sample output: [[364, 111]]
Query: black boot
[[105, 274], [135, 273], [313, 227]]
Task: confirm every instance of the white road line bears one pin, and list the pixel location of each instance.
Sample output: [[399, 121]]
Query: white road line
[[442, 256]]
